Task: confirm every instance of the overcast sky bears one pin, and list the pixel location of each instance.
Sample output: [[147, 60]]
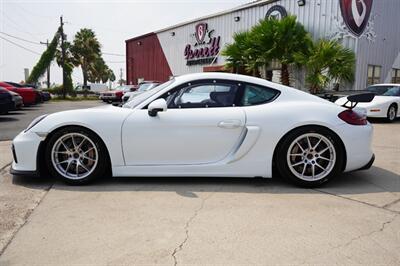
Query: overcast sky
[[112, 21]]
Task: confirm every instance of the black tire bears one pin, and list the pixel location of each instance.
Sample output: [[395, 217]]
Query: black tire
[[287, 142], [389, 117], [102, 155]]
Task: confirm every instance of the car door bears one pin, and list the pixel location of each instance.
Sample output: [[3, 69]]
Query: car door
[[201, 126]]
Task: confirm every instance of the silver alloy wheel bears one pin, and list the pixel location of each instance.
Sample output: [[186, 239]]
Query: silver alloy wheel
[[392, 113], [311, 157], [74, 156]]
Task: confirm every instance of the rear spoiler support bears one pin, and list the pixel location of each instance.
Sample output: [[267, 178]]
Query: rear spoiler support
[[353, 100]]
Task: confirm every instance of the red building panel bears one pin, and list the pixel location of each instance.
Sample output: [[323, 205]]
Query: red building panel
[[146, 59]]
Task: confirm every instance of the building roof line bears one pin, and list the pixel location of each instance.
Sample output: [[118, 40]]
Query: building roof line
[[232, 10]]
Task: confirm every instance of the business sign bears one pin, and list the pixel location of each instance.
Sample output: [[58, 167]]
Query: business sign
[[356, 14], [206, 48]]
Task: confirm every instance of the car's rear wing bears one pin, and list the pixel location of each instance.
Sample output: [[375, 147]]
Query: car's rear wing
[[353, 100]]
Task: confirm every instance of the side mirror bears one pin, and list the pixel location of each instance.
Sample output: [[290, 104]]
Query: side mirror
[[159, 105]]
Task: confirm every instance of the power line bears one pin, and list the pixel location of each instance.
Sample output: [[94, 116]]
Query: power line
[[19, 38], [17, 26], [20, 46]]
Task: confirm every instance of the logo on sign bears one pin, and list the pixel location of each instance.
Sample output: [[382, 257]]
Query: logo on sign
[[356, 14], [206, 48], [201, 30]]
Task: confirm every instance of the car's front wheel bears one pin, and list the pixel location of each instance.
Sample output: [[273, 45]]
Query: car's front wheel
[[310, 156], [75, 155]]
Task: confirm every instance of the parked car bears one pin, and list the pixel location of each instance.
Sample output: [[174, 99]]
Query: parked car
[[244, 127], [17, 99], [46, 96], [6, 101], [115, 95], [29, 95], [144, 86], [41, 95], [385, 104]]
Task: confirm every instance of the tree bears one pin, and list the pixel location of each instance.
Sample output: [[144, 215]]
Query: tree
[[269, 40], [327, 61], [288, 37], [45, 60], [85, 50], [100, 72], [240, 55], [69, 66]]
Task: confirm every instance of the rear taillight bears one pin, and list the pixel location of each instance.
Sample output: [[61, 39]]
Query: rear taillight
[[353, 118]]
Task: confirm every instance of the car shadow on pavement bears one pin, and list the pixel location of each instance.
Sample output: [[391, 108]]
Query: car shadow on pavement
[[7, 119], [375, 180], [382, 121]]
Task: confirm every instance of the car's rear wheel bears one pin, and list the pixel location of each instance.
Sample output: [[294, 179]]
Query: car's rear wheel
[[310, 156], [75, 155], [392, 113]]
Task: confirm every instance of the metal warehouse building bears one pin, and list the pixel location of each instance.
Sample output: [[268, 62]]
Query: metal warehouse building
[[371, 28]]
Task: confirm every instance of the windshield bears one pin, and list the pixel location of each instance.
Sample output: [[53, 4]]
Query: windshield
[[145, 86], [147, 94], [385, 90]]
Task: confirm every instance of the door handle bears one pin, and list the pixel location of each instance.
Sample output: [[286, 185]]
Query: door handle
[[230, 124]]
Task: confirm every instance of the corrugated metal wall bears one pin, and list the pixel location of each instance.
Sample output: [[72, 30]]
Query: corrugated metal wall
[[322, 18], [385, 49], [146, 60]]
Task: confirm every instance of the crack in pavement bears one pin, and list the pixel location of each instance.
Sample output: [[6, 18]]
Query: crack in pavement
[[187, 225], [348, 243], [361, 202], [368, 234]]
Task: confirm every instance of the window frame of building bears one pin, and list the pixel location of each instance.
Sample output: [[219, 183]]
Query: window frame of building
[[396, 75], [374, 78]]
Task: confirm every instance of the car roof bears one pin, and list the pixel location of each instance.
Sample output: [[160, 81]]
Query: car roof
[[230, 76], [385, 84]]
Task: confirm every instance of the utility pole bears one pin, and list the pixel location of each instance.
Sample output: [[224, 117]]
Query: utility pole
[[120, 76], [48, 68], [63, 55]]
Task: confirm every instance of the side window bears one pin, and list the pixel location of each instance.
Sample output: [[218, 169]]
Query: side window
[[204, 95], [254, 95]]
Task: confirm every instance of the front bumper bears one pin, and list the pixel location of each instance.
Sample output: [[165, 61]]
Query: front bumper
[[23, 173], [25, 151]]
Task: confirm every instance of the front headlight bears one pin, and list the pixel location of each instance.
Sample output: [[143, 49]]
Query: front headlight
[[35, 122]]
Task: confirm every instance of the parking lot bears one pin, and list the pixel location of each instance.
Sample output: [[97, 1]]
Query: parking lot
[[16, 121], [355, 219]]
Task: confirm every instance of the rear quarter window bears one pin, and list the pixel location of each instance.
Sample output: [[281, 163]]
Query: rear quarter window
[[255, 95]]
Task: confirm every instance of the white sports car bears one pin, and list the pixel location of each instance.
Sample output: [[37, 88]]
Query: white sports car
[[206, 124], [385, 104]]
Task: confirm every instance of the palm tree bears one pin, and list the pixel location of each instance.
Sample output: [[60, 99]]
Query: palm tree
[[287, 37], [85, 50], [239, 54], [327, 61], [100, 72]]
